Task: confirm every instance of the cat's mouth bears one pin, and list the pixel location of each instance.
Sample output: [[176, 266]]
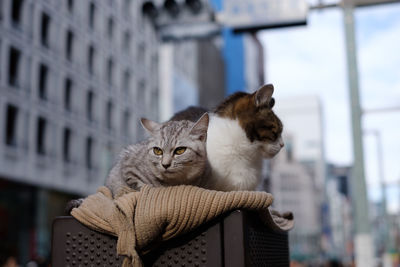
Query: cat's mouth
[[168, 173], [171, 178]]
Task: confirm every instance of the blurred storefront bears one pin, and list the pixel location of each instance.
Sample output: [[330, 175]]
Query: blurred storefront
[[26, 215]]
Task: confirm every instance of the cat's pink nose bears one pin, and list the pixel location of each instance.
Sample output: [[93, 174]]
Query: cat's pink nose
[[281, 144]]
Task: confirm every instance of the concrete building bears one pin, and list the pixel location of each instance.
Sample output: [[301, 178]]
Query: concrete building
[[211, 73], [340, 214], [192, 74], [298, 172], [294, 190], [178, 73], [244, 58], [302, 119], [254, 62], [75, 77]]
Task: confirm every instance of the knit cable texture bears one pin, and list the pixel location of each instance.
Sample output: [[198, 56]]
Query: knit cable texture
[[141, 219]]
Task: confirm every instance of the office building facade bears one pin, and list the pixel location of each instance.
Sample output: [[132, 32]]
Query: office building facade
[[75, 78]]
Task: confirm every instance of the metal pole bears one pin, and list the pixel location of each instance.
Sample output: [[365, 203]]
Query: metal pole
[[384, 215], [381, 170], [385, 218], [363, 244]]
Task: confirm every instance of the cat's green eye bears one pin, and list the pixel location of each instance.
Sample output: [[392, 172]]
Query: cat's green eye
[[180, 150], [157, 151]]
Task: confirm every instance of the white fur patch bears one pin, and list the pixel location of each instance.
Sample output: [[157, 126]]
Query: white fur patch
[[235, 161]]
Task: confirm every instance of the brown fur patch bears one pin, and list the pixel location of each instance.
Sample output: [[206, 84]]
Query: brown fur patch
[[259, 122]]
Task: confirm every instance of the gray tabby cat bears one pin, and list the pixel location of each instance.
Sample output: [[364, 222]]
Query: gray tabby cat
[[174, 154]]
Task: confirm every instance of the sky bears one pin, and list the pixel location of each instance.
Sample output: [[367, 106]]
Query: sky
[[311, 60]]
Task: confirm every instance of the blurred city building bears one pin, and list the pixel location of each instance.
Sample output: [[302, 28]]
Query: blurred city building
[[75, 78], [297, 178], [339, 231], [178, 73], [211, 74], [192, 74], [203, 72], [244, 59]]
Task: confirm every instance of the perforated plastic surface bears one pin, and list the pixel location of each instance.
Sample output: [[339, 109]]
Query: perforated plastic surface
[[192, 250], [75, 245], [263, 246], [238, 239]]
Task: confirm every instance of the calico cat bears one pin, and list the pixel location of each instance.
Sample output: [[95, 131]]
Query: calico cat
[[243, 130], [174, 154]]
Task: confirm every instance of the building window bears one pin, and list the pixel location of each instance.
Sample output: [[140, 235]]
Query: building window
[[127, 7], [43, 75], [89, 105], [91, 55], [110, 28], [141, 53], [126, 117], [16, 10], [126, 82], [41, 136], [127, 42], [44, 31], [1, 9], [66, 145], [92, 14], [109, 110], [141, 90], [69, 45], [89, 148], [11, 125], [13, 66], [68, 94], [1, 57], [110, 70], [70, 6]]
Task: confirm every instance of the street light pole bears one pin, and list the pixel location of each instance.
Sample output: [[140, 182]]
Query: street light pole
[[363, 242], [384, 219]]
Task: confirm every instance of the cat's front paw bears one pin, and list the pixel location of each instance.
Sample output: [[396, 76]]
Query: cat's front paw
[[75, 203], [135, 184]]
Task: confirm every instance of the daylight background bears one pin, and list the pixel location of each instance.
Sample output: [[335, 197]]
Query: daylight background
[[76, 76], [312, 60]]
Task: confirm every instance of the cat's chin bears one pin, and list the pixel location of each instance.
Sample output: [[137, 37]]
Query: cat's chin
[[167, 176], [268, 154], [170, 178]]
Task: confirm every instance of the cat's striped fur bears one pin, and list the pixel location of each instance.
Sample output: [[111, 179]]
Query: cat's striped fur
[[174, 154]]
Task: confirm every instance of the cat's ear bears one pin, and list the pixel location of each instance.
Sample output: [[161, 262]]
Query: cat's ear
[[263, 96], [149, 125], [200, 128]]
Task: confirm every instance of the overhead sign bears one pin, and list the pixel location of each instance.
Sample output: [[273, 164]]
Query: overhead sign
[[177, 20], [189, 31], [262, 14], [195, 19], [361, 3]]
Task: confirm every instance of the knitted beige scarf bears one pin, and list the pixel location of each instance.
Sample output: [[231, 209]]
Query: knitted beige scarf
[[139, 219]]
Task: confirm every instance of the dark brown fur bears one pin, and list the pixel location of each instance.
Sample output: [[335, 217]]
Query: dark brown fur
[[191, 113], [258, 121]]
